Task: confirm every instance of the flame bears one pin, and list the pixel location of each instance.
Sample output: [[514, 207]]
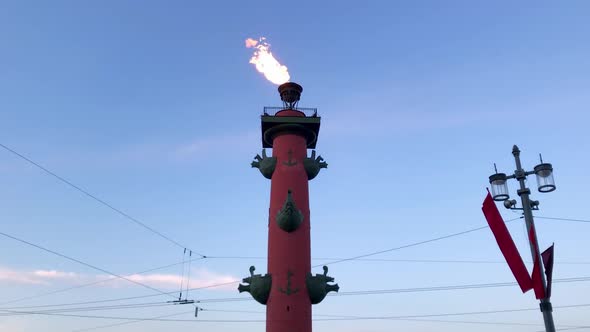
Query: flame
[[251, 42], [266, 63]]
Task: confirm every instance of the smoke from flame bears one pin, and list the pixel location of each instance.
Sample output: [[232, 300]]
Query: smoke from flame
[[266, 63]]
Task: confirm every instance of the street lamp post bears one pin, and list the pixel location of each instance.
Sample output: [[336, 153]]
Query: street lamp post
[[544, 173]]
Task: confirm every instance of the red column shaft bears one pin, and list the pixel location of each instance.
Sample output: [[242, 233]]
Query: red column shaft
[[289, 254]]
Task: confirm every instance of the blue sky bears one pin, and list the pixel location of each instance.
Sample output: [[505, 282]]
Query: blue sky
[[154, 108]]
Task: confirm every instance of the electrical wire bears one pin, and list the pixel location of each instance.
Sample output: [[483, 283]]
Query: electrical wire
[[563, 219], [346, 317], [410, 245], [341, 260], [66, 305], [139, 320], [351, 293], [337, 260], [240, 257], [94, 197], [347, 293], [90, 283], [450, 287], [188, 280], [83, 263], [84, 309], [331, 317], [409, 290], [182, 278], [452, 261], [246, 299], [120, 299], [219, 320], [321, 320]]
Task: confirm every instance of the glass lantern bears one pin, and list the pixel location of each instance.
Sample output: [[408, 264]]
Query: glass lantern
[[499, 187], [545, 180]]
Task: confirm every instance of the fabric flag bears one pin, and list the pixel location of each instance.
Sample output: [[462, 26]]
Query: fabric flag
[[537, 281], [536, 276], [548, 262], [506, 244]]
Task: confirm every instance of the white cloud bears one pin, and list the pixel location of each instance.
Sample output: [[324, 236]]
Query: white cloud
[[53, 274], [36, 277], [199, 278]]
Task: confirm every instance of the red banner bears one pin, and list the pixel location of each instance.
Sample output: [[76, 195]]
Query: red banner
[[536, 276], [537, 281], [506, 244], [548, 263]]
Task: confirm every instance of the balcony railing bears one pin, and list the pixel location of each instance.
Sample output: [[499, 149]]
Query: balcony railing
[[271, 110]]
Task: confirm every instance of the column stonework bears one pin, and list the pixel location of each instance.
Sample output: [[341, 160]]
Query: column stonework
[[289, 289]]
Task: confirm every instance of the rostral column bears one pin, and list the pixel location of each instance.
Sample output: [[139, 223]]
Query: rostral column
[[289, 289]]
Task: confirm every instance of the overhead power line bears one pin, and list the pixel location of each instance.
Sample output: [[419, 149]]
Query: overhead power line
[[351, 293], [330, 317], [234, 320], [408, 290], [94, 197], [128, 322], [261, 321], [241, 257], [68, 306], [447, 314], [121, 298], [400, 260], [564, 219], [174, 264], [246, 257], [236, 281], [410, 245], [346, 317], [83, 263], [91, 283], [449, 288], [16, 311]]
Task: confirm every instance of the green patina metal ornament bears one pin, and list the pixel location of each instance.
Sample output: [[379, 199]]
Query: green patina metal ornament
[[317, 286], [259, 286], [289, 217], [265, 164], [313, 165]]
